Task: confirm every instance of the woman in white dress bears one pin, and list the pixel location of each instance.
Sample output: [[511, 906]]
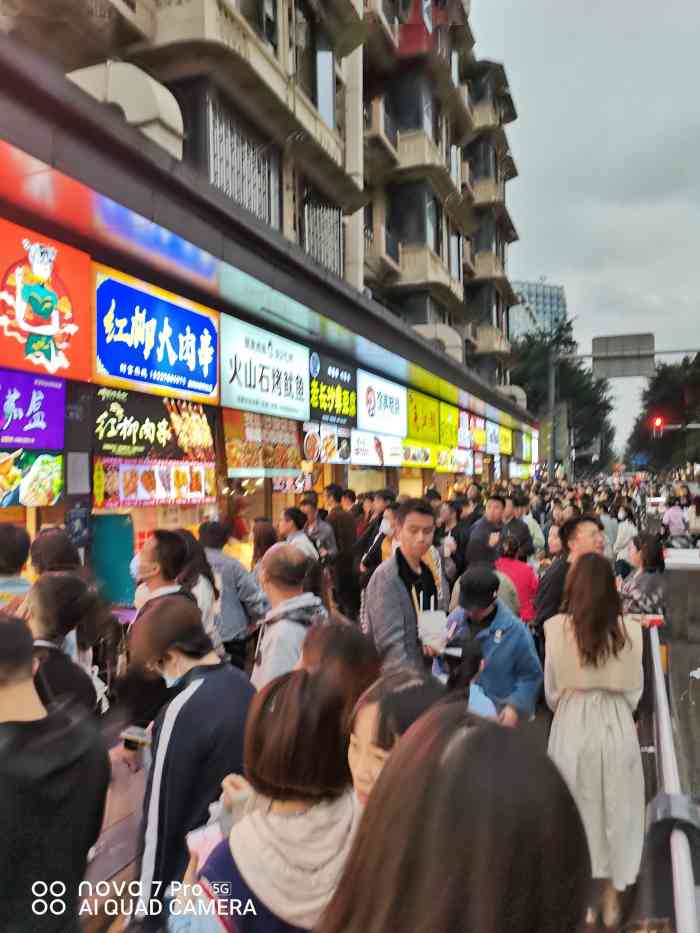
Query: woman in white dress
[[593, 683]]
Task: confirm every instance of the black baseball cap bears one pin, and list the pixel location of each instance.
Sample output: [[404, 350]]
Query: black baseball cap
[[478, 587]]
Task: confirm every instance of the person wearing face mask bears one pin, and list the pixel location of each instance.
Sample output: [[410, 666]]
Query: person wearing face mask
[[383, 545], [197, 738], [157, 566]]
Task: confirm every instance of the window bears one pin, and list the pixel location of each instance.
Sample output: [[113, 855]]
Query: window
[[302, 46], [320, 227], [434, 236], [242, 164], [437, 122], [455, 255]]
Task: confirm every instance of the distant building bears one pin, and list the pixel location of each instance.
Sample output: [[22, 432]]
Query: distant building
[[540, 307]]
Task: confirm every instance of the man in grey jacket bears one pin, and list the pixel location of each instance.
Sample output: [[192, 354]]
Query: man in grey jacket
[[320, 532], [241, 599], [399, 586], [282, 572]]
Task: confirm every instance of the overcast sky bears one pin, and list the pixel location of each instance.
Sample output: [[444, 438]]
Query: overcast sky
[[607, 144]]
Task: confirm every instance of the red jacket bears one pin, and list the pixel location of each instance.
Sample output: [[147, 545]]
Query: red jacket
[[525, 581]]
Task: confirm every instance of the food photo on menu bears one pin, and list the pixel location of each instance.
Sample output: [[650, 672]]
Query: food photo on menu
[[28, 478]]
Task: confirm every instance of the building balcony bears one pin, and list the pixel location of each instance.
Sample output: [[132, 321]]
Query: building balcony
[[486, 116], [421, 268], [382, 43], [467, 179], [381, 140], [488, 267], [489, 192], [491, 342], [420, 157], [196, 38], [382, 253], [344, 24], [79, 33], [446, 338]]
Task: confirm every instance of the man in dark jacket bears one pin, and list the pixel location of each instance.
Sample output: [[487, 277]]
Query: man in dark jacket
[[514, 526], [341, 521], [486, 533], [197, 740], [54, 774], [580, 535]]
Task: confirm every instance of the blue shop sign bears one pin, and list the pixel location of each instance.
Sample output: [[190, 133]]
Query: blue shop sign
[[149, 339]]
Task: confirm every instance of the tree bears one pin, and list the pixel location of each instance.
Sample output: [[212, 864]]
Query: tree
[[588, 399], [672, 394]]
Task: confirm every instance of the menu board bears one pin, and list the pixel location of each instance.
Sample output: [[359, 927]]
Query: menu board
[[30, 479], [45, 311], [477, 427], [262, 372], [32, 410], [381, 405], [375, 450], [505, 441], [129, 424], [332, 391], [421, 454], [150, 339], [324, 443], [423, 417], [454, 460], [122, 483], [261, 445], [492, 438], [449, 425]]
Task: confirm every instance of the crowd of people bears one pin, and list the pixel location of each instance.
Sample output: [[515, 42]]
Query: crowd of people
[[326, 731]]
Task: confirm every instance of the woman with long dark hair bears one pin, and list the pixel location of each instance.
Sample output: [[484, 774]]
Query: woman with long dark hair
[[644, 591], [264, 536], [198, 578], [469, 829], [593, 683]]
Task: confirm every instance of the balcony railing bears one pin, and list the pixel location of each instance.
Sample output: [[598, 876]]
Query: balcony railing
[[393, 246]]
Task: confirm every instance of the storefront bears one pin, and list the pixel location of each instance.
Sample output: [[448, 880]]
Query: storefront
[[376, 450], [265, 391]]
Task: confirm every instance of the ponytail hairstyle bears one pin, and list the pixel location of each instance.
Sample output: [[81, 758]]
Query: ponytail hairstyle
[[196, 564]]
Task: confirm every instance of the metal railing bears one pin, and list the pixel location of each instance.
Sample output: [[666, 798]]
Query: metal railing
[[686, 920]]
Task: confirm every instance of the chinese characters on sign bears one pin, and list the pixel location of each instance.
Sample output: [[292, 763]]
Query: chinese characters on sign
[[128, 424], [505, 440], [530, 448], [31, 411], [333, 391], [423, 417], [264, 373], [449, 425], [381, 405], [477, 427], [152, 340]]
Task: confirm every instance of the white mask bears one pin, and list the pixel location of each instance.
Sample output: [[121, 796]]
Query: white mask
[[385, 527], [622, 515]]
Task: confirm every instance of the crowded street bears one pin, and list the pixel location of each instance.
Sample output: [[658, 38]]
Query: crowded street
[[341, 588]]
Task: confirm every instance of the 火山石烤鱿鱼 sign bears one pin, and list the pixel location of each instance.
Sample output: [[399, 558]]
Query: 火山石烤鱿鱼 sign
[[262, 372], [152, 340], [45, 310]]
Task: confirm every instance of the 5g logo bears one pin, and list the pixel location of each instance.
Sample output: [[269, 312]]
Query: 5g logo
[[49, 898]]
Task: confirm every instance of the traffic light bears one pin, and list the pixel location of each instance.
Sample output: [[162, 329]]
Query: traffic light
[[658, 426]]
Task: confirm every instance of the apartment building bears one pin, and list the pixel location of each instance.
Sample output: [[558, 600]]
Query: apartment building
[[365, 131]]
